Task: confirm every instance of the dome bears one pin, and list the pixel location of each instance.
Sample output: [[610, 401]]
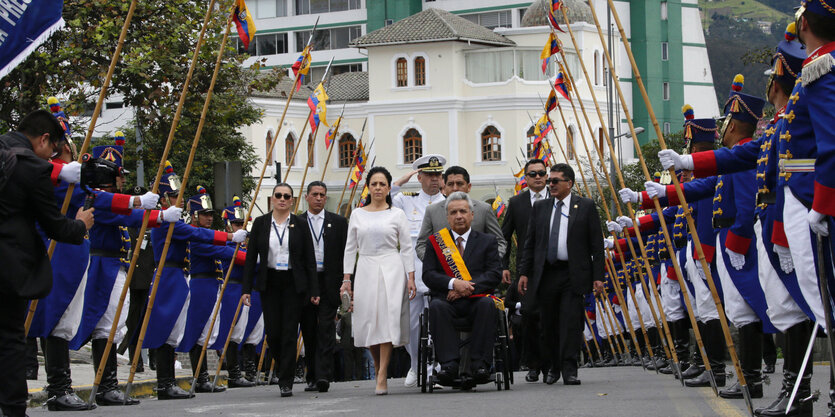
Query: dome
[[535, 15]]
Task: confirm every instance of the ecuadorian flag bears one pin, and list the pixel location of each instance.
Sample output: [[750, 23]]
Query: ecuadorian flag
[[243, 22], [318, 108], [498, 206]]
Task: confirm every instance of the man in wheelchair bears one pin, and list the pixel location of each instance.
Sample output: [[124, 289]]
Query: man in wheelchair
[[462, 271]]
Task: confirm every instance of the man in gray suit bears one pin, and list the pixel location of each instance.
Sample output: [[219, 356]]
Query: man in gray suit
[[455, 179]]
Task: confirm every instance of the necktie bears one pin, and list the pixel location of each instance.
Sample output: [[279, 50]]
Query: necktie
[[554, 238], [460, 243]]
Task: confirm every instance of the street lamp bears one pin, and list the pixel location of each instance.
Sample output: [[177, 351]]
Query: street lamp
[[638, 131]]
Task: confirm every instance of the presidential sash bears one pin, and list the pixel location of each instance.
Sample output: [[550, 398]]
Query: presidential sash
[[453, 262]]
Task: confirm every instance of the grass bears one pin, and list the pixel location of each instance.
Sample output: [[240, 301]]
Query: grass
[[747, 9]]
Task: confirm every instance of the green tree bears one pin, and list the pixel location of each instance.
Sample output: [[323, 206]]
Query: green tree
[[150, 74]]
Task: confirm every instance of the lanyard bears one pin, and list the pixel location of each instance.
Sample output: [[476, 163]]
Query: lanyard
[[321, 231], [279, 235]]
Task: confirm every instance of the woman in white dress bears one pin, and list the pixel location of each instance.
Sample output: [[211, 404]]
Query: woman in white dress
[[385, 279]]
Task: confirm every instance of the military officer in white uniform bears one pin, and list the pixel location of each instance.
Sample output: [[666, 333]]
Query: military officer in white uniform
[[428, 169]]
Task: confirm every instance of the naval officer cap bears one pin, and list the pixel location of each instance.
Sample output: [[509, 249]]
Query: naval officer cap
[[430, 163]]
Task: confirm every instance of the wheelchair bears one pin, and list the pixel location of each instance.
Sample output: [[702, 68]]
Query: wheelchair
[[501, 374]]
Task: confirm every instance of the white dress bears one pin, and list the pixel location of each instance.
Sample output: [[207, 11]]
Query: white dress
[[381, 300]]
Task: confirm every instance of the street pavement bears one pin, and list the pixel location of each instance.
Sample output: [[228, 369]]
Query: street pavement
[[621, 391]]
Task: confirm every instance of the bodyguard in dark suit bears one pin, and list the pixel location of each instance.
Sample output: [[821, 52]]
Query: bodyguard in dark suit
[[285, 278], [329, 232], [516, 220], [453, 298], [558, 273], [25, 270]]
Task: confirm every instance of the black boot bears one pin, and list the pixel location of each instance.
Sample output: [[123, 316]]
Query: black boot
[[656, 350], [108, 391], [202, 383], [696, 366], [32, 359], [59, 388], [769, 353], [831, 404], [250, 362], [167, 388], [750, 354], [802, 405], [236, 380], [713, 339], [681, 335]]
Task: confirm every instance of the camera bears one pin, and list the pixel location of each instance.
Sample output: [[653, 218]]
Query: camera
[[99, 172]]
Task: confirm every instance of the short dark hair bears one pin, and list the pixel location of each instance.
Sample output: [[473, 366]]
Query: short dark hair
[[821, 26], [567, 171], [371, 173], [746, 129], [39, 122], [457, 170], [785, 86], [532, 162], [284, 184], [316, 184]]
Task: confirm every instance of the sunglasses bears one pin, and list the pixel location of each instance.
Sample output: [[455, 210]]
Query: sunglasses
[[534, 174], [285, 196], [555, 181]]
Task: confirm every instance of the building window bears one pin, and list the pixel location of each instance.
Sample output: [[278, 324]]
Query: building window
[[665, 51], [530, 149], [340, 69], [666, 91], [663, 10], [491, 149], [491, 20], [268, 142], [347, 147], [402, 72], [420, 71], [289, 147], [311, 148], [326, 39], [325, 6], [270, 44], [569, 139], [666, 128], [412, 146], [265, 9]]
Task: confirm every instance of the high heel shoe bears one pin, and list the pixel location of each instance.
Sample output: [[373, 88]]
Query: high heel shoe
[[381, 391]]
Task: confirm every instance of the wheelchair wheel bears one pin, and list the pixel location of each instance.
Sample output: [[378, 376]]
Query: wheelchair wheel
[[499, 377], [431, 383]]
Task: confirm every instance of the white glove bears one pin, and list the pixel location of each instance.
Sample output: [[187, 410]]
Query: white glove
[[785, 255], [609, 243], [172, 214], [626, 221], [737, 260], [818, 223], [629, 196], [614, 227], [671, 159], [655, 189], [70, 173], [239, 236], [147, 201]]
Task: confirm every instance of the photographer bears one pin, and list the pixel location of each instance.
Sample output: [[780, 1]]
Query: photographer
[[27, 197]]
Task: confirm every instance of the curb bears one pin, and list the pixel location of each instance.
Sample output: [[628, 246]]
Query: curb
[[140, 389]]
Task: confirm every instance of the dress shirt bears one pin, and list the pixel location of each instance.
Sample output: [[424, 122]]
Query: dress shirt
[[541, 195], [279, 247], [316, 223], [562, 249], [455, 236]]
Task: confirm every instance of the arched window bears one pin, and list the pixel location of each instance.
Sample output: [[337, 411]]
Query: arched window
[[569, 136], [268, 142], [530, 148], [412, 146], [311, 157], [491, 149], [289, 146], [420, 71], [597, 70], [347, 146], [402, 72]]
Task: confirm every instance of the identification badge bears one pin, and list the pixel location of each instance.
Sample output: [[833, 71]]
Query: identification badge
[[283, 261], [144, 244], [320, 257]]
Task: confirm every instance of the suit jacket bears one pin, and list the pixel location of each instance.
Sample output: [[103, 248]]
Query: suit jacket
[[481, 255], [516, 220], [583, 242], [302, 258], [28, 197], [484, 221], [334, 235]]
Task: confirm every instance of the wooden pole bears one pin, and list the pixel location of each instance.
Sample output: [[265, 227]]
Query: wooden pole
[[160, 169], [310, 150], [350, 171], [690, 223], [292, 159], [334, 143], [670, 249], [616, 323], [261, 362], [613, 346], [33, 305], [593, 337]]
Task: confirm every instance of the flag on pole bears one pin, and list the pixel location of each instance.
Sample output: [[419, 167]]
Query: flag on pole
[[542, 127], [551, 104], [552, 14], [543, 152], [318, 108], [243, 22], [24, 26], [561, 86], [521, 182], [331, 132], [499, 206], [363, 196], [551, 47], [301, 66], [359, 167]]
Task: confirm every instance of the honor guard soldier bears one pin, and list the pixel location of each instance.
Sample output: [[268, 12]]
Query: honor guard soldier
[[167, 323], [234, 216], [110, 250], [428, 169]]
